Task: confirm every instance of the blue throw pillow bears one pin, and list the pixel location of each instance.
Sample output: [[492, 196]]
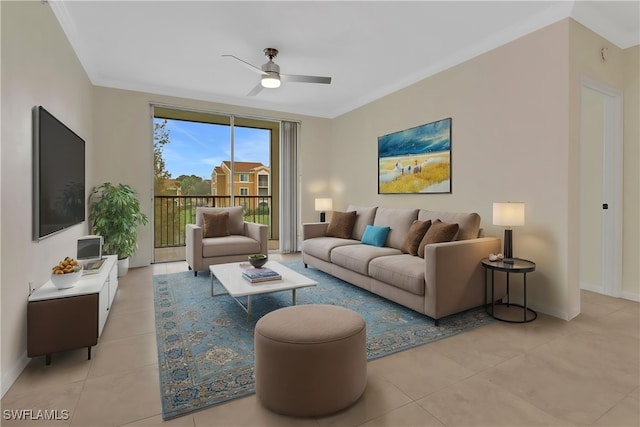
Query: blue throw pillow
[[375, 236]]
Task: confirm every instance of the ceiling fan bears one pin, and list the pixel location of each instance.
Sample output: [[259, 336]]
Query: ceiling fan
[[271, 76]]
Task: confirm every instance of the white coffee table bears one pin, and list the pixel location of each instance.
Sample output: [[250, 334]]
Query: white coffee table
[[230, 276]]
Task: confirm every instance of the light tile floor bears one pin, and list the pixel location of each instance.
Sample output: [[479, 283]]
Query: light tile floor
[[545, 373]]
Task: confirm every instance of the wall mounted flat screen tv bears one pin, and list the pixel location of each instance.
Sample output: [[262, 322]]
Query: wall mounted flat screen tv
[[58, 175]]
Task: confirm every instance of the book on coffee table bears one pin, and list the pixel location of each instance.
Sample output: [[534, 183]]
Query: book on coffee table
[[264, 274]]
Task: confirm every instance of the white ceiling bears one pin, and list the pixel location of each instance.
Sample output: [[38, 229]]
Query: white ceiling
[[369, 48]]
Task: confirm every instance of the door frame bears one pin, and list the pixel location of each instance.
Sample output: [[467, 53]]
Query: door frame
[[611, 253]]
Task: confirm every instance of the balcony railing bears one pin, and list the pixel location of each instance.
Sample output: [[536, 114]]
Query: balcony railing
[[173, 213]]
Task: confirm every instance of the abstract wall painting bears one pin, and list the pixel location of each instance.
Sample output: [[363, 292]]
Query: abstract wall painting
[[416, 160]]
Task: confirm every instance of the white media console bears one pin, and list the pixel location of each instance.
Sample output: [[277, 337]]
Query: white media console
[[66, 319]]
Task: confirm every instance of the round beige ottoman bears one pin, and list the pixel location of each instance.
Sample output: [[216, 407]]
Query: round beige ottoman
[[310, 359]]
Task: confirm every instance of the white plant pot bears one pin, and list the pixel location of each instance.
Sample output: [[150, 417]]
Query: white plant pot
[[123, 267]]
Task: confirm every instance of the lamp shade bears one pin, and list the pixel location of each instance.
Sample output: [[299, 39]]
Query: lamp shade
[[270, 81], [508, 214], [323, 205]]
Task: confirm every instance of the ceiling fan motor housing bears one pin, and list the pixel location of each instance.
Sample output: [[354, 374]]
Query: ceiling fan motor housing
[[271, 67]]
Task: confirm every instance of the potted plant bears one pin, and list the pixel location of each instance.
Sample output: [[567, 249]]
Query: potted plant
[[115, 215]]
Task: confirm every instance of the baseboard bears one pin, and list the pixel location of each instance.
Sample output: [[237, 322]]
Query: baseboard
[[630, 296], [8, 378], [554, 312], [574, 313], [541, 308], [626, 295], [591, 288]]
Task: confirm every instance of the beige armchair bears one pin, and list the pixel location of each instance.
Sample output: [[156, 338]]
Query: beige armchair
[[233, 238]]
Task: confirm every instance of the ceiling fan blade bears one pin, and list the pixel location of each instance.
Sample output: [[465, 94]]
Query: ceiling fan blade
[[256, 90], [305, 79], [251, 67]]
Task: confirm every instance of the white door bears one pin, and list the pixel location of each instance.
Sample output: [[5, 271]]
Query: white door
[[601, 188]]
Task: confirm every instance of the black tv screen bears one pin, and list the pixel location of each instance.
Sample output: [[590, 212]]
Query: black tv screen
[[58, 175]]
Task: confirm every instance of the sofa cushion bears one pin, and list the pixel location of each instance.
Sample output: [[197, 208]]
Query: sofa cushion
[[321, 247], [364, 217], [402, 271], [215, 224], [469, 223], [230, 245], [341, 224], [399, 220], [357, 257], [236, 218], [438, 232], [414, 237], [375, 236]]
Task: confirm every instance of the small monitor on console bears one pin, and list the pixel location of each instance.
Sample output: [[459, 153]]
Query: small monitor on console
[[89, 249]]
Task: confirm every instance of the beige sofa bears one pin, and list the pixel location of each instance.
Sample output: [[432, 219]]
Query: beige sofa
[[235, 244], [448, 279]]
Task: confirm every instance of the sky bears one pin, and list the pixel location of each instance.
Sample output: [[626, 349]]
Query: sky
[[196, 148]]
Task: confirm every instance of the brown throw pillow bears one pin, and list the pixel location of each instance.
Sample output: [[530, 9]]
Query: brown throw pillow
[[215, 224], [414, 236], [341, 224], [438, 232]]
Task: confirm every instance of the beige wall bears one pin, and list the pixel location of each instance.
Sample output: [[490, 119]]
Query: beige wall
[[509, 143], [39, 67], [516, 136]]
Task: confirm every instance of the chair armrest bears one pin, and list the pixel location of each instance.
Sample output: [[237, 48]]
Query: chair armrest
[[314, 229], [258, 232], [193, 243], [454, 274]]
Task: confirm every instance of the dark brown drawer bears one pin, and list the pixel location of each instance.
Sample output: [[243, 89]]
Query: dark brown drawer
[[62, 324]]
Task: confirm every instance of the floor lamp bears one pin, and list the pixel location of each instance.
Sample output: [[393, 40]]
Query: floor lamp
[[508, 214]]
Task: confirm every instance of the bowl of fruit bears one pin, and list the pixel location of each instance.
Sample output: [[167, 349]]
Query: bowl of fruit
[[66, 273]]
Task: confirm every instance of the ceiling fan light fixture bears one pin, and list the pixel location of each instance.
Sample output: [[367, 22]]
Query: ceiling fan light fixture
[[270, 81], [270, 73]]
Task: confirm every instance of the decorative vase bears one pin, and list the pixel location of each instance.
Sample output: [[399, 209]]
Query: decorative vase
[[123, 267]]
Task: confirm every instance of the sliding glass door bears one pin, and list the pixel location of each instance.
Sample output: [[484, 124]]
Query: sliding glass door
[[204, 159]]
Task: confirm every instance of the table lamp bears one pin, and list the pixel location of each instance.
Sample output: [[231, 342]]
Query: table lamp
[[323, 205], [508, 215]]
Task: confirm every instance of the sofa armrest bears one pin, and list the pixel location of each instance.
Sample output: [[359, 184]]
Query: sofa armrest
[[454, 275], [314, 229], [193, 242], [258, 232]]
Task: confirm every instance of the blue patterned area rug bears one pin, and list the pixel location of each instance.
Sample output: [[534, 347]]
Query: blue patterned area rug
[[205, 344]]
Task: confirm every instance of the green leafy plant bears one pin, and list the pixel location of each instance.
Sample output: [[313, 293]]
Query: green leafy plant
[[115, 215]]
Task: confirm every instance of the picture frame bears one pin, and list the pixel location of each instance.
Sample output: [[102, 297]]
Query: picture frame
[[416, 160]]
